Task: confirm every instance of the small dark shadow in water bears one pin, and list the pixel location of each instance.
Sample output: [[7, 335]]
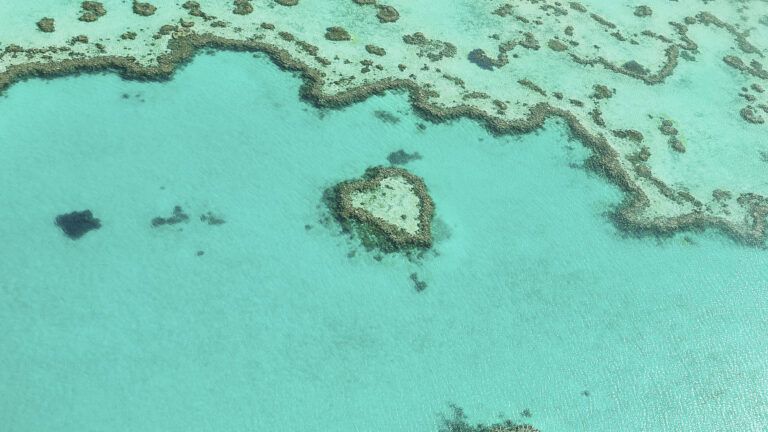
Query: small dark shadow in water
[[177, 217], [211, 219], [77, 223], [386, 117], [400, 157], [419, 284]]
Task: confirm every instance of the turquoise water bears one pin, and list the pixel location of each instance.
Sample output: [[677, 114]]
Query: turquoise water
[[533, 297]]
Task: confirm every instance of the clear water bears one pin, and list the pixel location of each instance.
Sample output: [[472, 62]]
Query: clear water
[[533, 297]]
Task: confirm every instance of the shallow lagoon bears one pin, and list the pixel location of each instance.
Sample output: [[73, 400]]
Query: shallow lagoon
[[533, 297]]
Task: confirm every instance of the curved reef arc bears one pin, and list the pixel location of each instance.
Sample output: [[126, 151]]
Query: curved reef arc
[[604, 160]]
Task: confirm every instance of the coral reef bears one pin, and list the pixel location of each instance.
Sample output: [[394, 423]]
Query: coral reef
[[92, 10], [78, 223], [605, 62], [387, 14], [389, 208], [211, 219], [376, 50], [177, 217], [243, 7], [458, 422], [337, 34], [418, 284], [643, 11], [400, 157], [46, 25], [143, 9]]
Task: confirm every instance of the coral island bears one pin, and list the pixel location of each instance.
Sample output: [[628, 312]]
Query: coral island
[[389, 208]]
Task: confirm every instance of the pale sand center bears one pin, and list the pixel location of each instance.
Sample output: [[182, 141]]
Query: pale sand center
[[394, 202]]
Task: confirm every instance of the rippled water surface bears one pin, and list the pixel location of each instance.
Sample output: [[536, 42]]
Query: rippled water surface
[[534, 300]]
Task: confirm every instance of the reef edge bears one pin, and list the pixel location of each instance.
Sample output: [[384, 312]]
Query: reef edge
[[604, 161]]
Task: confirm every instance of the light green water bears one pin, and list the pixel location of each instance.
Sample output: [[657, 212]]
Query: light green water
[[532, 299]]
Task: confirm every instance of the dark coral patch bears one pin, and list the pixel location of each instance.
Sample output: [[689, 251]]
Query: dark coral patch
[[459, 423], [400, 157], [178, 217], [77, 223], [419, 284], [635, 68], [243, 7], [46, 25], [337, 34], [478, 57], [211, 219], [143, 9], [386, 117], [92, 10], [387, 14]]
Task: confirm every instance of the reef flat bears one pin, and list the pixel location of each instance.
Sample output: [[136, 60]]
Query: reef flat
[[669, 96]]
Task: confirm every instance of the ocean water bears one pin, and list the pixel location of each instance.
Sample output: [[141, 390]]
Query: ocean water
[[534, 300]]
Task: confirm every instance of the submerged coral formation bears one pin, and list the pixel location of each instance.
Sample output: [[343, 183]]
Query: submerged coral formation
[[337, 34], [47, 25], [609, 71], [458, 422], [143, 9], [78, 223], [177, 217], [401, 157], [92, 10], [388, 207]]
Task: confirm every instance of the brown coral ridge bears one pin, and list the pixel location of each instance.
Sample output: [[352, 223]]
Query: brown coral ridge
[[375, 232], [287, 2], [634, 69], [685, 48], [604, 161], [755, 68]]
